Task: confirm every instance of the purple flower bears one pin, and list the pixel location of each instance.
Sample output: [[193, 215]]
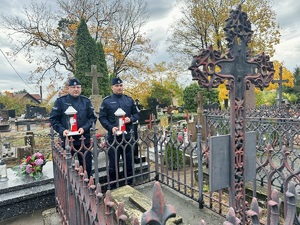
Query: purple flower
[[22, 166], [39, 162], [28, 168]]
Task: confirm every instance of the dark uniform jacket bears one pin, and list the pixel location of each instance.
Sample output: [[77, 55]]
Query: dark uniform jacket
[[110, 105], [85, 115]]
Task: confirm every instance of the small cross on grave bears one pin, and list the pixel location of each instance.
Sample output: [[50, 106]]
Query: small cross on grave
[[187, 116], [94, 74], [280, 82], [150, 122]]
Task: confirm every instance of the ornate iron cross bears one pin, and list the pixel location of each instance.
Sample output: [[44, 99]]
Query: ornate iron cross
[[237, 70]]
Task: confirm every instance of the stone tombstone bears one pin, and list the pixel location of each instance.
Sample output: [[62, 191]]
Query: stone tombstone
[[12, 113], [144, 115], [154, 103], [24, 151], [250, 98], [95, 98], [191, 130], [29, 139], [8, 152]]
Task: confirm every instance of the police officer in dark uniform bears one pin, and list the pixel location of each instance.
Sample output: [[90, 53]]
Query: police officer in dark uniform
[[109, 121], [85, 119]]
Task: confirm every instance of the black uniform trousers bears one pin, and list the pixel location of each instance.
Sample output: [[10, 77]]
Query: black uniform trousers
[[115, 151]]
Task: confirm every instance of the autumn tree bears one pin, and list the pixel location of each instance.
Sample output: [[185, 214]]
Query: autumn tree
[[52, 47], [166, 74], [202, 23]]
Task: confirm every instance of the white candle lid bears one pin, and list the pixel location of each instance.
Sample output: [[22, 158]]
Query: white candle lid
[[119, 112]]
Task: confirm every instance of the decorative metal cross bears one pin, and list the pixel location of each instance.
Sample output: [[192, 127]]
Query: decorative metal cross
[[237, 70], [280, 82], [94, 74]]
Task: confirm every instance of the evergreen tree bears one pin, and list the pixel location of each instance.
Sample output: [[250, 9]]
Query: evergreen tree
[[89, 53], [104, 81], [191, 91], [85, 48]]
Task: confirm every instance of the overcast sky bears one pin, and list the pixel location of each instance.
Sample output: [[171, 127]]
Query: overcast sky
[[14, 74]]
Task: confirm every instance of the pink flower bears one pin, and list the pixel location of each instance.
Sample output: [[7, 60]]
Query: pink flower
[[39, 162]]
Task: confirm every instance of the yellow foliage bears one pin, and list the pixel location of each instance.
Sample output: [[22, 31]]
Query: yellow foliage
[[223, 92]]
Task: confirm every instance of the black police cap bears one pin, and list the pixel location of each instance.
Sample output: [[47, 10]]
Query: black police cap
[[74, 82], [116, 80]]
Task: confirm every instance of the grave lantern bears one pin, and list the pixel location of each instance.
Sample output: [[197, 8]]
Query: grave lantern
[[72, 121], [120, 114], [3, 170]]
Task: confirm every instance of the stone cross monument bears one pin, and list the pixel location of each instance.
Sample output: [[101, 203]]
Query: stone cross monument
[[94, 74], [210, 69], [95, 98]]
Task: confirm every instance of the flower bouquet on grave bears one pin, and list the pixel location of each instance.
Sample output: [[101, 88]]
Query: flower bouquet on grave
[[33, 165]]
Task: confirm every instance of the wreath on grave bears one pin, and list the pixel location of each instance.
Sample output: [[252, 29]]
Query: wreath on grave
[[33, 165]]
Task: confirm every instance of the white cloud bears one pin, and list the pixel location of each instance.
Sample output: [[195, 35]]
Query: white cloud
[[162, 14]]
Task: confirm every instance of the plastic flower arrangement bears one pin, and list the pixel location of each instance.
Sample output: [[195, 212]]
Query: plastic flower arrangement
[[33, 165]]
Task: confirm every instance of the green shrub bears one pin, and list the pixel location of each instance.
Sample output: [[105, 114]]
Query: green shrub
[[173, 156]]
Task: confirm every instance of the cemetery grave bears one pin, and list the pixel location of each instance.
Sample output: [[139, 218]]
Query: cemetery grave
[[21, 194]]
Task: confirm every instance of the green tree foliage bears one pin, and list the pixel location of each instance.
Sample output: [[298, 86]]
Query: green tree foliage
[[85, 48], [9, 102], [89, 53], [103, 81], [190, 93], [297, 76], [293, 93], [21, 92], [161, 93], [266, 98]]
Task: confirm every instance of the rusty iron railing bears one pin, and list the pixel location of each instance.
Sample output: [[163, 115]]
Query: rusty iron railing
[[185, 171]]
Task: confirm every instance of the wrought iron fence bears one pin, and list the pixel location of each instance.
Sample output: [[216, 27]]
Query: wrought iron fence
[[168, 156]]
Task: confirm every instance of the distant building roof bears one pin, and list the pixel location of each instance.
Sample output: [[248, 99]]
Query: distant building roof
[[35, 98]]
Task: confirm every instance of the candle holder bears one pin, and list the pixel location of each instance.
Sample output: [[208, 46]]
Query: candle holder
[[120, 114], [72, 121]]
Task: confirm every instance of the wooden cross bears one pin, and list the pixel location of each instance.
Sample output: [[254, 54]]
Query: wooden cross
[[150, 122], [94, 74], [210, 68], [187, 116], [280, 82]]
